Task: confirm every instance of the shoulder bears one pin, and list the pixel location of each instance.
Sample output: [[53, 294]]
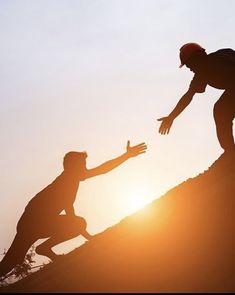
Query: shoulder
[[222, 59], [222, 53]]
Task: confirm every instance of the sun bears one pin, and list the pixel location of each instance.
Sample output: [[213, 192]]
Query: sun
[[134, 195], [136, 203], [136, 199]]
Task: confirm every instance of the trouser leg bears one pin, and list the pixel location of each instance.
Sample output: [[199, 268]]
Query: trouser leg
[[224, 113], [64, 228], [17, 251]]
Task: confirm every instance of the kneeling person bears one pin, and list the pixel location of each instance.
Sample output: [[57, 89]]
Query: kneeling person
[[42, 218]]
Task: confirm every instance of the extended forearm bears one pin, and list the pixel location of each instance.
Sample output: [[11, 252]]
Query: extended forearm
[[107, 166], [182, 104], [112, 164]]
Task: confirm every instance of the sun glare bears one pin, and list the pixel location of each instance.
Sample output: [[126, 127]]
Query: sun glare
[[134, 195], [135, 203], [136, 200]]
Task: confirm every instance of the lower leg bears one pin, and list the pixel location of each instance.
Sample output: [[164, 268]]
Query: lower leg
[[86, 235], [225, 136], [224, 112], [16, 253], [64, 228], [45, 250], [46, 247]]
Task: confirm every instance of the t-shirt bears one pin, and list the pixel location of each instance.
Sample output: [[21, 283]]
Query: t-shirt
[[218, 71], [56, 197]]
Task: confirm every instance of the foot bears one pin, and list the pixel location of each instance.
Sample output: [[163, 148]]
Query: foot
[[42, 250], [86, 235]]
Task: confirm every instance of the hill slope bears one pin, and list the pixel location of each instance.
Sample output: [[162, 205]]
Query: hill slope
[[182, 242]]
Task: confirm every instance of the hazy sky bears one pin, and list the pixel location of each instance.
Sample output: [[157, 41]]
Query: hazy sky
[[89, 75]]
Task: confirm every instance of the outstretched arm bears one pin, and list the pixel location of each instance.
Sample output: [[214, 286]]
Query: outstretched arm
[[111, 164], [181, 105]]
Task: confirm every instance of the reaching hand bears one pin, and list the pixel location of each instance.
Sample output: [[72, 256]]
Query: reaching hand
[[166, 125], [135, 150]]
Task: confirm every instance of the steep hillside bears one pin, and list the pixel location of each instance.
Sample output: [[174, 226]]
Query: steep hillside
[[182, 242]]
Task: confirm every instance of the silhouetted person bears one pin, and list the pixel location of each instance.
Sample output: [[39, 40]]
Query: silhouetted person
[[42, 219], [216, 69]]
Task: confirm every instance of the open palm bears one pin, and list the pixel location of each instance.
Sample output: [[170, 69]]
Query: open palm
[[135, 150], [165, 125]]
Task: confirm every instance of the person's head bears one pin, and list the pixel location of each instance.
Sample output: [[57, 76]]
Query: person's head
[[75, 160], [191, 54]]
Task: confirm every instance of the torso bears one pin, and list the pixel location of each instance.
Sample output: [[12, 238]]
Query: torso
[[55, 197], [218, 71]]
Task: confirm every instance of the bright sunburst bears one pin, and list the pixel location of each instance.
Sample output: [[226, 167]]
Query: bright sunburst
[[136, 199], [135, 203]]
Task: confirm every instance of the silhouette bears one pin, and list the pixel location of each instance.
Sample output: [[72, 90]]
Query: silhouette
[[42, 219], [182, 242], [216, 69]]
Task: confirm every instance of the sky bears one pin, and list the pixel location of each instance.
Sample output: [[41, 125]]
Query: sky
[[88, 75]]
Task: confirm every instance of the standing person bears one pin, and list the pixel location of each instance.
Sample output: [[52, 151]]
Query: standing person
[[216, 69], [42, 219]]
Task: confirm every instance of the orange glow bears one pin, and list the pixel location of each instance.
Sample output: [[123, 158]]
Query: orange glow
[[136, 199], [136, 203]]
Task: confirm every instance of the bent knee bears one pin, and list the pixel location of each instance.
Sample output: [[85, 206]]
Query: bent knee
[[217, 110], [225, 106], [80, 222], [220, 111]]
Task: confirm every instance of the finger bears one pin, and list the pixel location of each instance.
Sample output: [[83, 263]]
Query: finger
[[161, 119], [162, 130], [140, 144], [141, 152], [162, 127], [128, 144]]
